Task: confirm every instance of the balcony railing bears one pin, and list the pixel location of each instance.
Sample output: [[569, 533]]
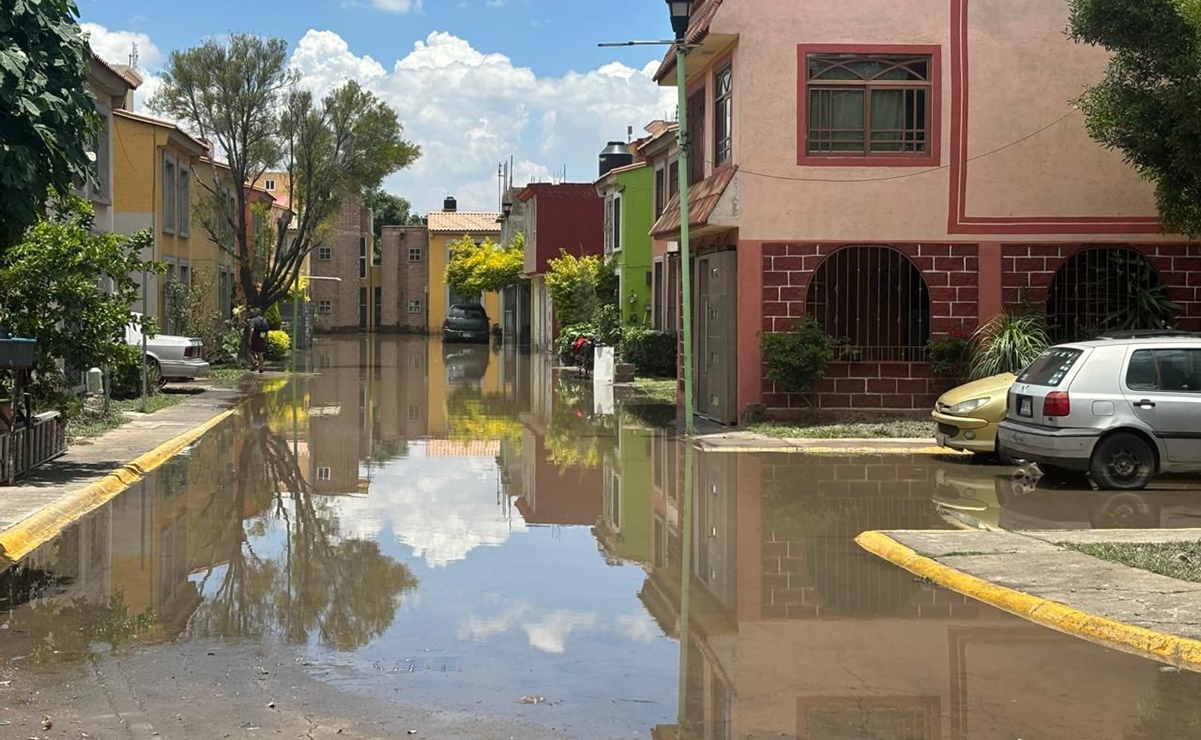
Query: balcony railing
[[25, 448]]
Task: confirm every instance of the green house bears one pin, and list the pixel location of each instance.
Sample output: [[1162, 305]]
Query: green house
[[629, 214], [624, 529]]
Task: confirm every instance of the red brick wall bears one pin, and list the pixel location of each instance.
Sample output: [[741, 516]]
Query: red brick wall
[[950, 274], [1030, 268]]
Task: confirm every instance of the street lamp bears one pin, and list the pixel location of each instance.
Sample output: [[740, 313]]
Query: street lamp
[[681, 14]]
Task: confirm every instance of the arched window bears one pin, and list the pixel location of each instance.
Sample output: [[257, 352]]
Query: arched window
[[874, 300], [1106, 289]]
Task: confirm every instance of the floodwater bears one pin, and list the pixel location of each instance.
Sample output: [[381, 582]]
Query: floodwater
[[457, 529]]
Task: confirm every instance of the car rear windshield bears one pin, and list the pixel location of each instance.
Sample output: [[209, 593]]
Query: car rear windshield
[[466, 312], [1050, 367]]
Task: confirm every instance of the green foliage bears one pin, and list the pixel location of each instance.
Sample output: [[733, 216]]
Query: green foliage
[[125, 374], [608, 325], [193, 313], [797, 359], [1117, 293], [567, 337], [575, 285], [332, 147], [1008, 343], [48, 120], [275, 320], [951, 354], [652, 352], [389, 209], [487, 267], [279, 344], [1146, 106], [48, 288]]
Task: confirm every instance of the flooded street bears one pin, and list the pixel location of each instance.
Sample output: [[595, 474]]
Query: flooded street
[[450, 540]]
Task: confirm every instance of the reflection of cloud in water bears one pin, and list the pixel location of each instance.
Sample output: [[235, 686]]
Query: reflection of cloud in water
[[548, 630], [443, 508]]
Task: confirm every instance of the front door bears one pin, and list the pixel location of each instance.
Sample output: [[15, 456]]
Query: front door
[[715, 341], [1163, 388]]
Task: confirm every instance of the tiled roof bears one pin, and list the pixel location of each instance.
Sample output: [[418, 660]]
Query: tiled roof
[[698, 29], [463, 222], [703, 198], [454, 448]]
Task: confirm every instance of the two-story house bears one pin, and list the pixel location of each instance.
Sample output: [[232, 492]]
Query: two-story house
[[444, 228], [627, 191], [910, 170]]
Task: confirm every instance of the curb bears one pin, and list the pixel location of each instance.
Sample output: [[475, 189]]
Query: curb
[[35, 530], [883, 447], [1181, 652]]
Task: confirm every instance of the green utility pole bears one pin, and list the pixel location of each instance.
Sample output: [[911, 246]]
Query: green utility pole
[[685, 251]]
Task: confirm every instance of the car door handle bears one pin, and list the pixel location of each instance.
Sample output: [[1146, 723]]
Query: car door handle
[[1145, 404]]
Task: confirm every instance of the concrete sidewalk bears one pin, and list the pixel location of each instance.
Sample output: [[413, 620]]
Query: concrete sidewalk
[[744, 441], [96, 469], [1031, 575]]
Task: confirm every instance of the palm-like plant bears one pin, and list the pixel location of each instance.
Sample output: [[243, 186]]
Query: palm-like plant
[[1008, 343]]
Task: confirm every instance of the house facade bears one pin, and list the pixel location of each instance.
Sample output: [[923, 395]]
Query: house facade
[[445, 227], [900, 179], [629, 211], [559, 218], [347, 293]]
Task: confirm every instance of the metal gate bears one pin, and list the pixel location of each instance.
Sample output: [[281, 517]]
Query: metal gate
[[715, 337]]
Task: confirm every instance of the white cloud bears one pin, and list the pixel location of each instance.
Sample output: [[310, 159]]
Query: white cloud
[[548, 630], [397, 6], [115, 47]]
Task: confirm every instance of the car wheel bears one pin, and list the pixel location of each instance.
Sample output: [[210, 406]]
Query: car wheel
[[1122, 462], [154, 374]]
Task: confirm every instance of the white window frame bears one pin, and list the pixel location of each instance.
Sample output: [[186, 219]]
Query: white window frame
[[415, 305], [325, 254], [416, 251], [182, 195], [269, 186], [324, 473]]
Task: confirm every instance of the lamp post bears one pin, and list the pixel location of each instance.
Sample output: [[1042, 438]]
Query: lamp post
[[681, 14]]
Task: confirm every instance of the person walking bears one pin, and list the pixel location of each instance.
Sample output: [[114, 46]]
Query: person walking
[[258, 340]]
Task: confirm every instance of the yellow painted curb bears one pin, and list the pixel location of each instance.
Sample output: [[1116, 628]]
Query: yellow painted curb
[[1182, 652], [48, 522], [816, 450]]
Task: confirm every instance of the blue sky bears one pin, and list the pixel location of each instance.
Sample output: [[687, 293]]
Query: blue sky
[[478, 81]]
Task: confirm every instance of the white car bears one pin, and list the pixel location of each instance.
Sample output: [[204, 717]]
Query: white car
[[174, 358]]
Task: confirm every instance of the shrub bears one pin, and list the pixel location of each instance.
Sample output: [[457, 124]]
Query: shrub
[[567, 337], [1008, 343], [608, 325], [797, 359], [951, 354], [279, 344], [125, 374], [651, 352], [275, 320]]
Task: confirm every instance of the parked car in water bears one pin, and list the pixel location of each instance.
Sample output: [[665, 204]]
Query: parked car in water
[[466, 322], [968, 415], [172, 358], [1122, 408]]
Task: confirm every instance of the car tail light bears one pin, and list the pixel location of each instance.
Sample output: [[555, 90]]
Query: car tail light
[[1057, 403], [193, 351]]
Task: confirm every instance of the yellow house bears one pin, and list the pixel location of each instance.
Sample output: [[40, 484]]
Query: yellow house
[[445, 227], [153, 189], [213, 267]]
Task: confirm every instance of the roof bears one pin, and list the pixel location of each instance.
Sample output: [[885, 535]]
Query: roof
[[463, 222], [564, 189], [611, 175], [455, 448], [183, 138], [703, 198], [698, 29]]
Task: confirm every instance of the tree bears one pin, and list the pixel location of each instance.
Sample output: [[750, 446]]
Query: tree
[[48, 120], [486, 267], [577, 287], [49, 287], [1146, 105], [241, 95], [389, 209]]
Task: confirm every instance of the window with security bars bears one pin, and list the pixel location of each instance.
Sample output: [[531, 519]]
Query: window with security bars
[[1106, 289], [874, 302], [869, 105], [723, 116]]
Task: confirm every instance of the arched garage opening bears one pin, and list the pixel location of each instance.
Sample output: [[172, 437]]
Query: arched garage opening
[[875, 301]]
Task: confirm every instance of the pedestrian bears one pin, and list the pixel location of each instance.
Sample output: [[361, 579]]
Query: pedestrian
[[258, 340]]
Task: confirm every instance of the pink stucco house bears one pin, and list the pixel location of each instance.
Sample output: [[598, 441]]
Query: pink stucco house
[[897, 170]]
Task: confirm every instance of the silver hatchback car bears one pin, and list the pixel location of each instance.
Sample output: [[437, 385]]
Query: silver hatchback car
[[1122, 408]]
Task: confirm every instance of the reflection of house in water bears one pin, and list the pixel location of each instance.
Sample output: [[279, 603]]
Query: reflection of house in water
[[369, 421], [545, 491], [624, 529], [793, 631]]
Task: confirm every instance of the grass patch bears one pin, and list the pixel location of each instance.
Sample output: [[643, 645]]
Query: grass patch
[[864, 428], [157, 402], [654, 390], [92, 422], [1180, 560], [226, 373]]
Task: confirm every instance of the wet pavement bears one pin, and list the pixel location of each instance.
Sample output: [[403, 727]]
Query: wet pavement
[[453, 541]]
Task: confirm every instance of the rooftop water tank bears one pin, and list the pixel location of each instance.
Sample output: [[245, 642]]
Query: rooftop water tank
[[616, 154]]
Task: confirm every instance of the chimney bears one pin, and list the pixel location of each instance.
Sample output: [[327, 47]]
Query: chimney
[[450, 205]]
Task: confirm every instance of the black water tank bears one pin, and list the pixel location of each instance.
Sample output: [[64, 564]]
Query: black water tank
[[616, 154], [450, 204]]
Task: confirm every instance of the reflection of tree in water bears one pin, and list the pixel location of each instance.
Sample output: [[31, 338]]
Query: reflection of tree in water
[[344, 590], [575, 438], [1173, 711], [474, 415]]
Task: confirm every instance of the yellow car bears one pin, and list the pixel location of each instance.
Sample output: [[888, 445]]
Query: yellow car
[[968, 415]]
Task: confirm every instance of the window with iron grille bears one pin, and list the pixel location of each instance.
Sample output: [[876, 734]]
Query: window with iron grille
[[696, 136], [1103, 290], [874, 301], [723, 116], [860, 105], [325, 307], [325, 254], [414, 254]]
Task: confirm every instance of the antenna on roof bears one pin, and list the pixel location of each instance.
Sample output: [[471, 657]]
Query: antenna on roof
[[629, 134], [133, 56]]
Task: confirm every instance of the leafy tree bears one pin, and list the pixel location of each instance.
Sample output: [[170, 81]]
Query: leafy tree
[[577, 287], [48, 120], [1146, 105], [389, 210], [241, 95], [486, 267], [49, 287]]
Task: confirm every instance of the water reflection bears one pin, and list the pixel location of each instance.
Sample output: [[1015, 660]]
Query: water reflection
[[465, 529]]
